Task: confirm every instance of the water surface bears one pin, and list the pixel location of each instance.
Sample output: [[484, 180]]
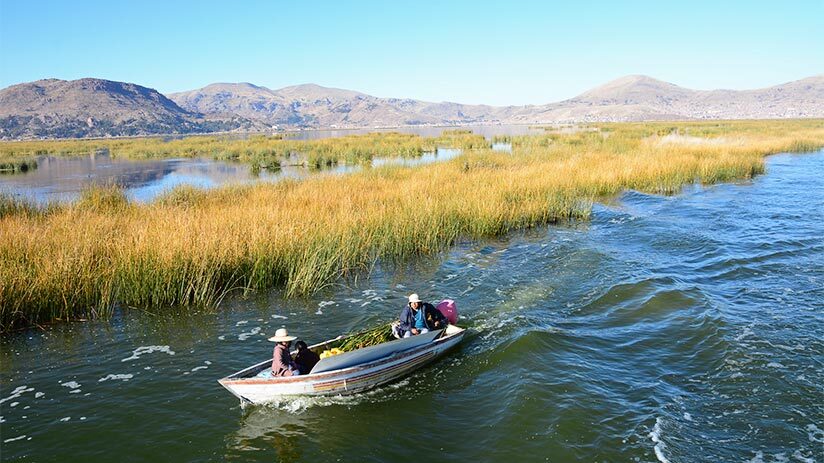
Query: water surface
[[683, 329], [61, 179]]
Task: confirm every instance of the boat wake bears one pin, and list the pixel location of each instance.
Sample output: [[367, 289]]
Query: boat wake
[[660, 446], [300, 404]]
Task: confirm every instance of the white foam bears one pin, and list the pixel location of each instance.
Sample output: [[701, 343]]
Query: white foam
[[200, 368], [14, 439], [775, 365], [323, 304], [207, 362], [71, 384], [147, 350], [122, 377], [38, 395], [758, 458], [659, 447], [276, 316], [815, 433], [221, 338], [17, 392], [67, 418], [747, 332], [248, 334], [75, 391], [14, 404], [242, 322], [687, 417], [801, 457]]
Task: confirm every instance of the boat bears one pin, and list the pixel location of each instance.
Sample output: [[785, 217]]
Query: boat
[[346, 373]]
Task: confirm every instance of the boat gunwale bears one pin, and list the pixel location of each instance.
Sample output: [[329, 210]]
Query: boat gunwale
[[232, 380]]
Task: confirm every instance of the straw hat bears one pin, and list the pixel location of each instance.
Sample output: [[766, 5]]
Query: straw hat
[[414, 298], [282, 335]]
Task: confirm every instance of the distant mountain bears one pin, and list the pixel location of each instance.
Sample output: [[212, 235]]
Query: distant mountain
[[53, 108], [639, 98], [630, 98], [94, 107], [243, 99], [311, 105]]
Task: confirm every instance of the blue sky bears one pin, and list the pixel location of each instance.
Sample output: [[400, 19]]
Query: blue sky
[[471, 52]]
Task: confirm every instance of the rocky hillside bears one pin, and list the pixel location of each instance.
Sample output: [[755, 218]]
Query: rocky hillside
[[311, 105], [93, 107], [639, 98], [55, 108], [630, 98]]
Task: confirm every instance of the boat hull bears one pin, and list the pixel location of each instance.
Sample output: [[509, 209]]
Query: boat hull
[[340, 382]]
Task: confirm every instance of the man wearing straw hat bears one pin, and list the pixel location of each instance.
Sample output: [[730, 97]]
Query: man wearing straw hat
[[282, 363]]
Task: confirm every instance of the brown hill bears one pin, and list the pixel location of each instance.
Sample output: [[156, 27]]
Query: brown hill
[[55, 108], [639, 98], [311, 105], [94, 107]]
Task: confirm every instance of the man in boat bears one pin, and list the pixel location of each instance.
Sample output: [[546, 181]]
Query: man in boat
[[305, 358], [418, 317], [282, 363]]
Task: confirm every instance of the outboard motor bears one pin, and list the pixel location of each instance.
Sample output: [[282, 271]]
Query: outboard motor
[[449, 310]]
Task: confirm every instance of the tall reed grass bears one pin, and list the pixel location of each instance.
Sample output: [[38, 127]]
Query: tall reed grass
[[257, 150], [192, 247], [14, 165]]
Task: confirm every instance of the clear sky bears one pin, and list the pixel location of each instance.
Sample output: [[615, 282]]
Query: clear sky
[[466, 51]]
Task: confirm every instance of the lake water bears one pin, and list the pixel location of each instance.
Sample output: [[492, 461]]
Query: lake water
[[61, 179], [487, 131], [676, 329]]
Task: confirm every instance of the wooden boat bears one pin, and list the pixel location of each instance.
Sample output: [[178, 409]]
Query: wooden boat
[[346, 373]]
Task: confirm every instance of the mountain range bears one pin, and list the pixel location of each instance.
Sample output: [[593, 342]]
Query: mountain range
[[53, 108]]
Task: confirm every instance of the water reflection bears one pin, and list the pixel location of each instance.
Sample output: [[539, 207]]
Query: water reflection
[[505, 147], [442, 154], [61, 179], [487, 131], [262, 428]]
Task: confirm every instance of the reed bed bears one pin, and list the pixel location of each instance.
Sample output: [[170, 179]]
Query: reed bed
[[192, 247], [14, 165], [258, 151]]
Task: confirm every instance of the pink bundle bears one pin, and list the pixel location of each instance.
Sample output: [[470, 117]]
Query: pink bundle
[[449, 310]]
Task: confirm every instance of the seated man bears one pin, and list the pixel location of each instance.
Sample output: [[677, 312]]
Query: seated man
[[305, 358], [282, 363], [419, 317]]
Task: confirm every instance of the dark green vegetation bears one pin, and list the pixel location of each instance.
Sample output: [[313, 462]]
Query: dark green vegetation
[[17, 165]]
